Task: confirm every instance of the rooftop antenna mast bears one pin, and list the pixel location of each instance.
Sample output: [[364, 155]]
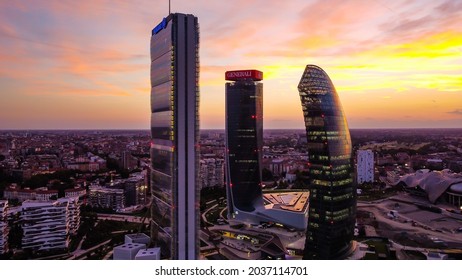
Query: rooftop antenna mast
[[168, 6]]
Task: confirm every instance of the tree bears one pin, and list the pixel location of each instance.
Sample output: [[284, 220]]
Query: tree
[[266, 174], [124, 173], [15, 234], [283, 184]]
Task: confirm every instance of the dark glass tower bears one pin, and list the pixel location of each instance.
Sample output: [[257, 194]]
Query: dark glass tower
[[332, 208], [244, 140], [175, 136]]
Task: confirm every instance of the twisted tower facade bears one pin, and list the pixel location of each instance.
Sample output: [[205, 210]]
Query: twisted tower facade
[[332, 208]]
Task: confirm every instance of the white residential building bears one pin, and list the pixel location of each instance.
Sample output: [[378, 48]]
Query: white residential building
[[73, 213], [127, 251], [365, 166], [46, 195], [137, 238], [148, 254], [47, 224], [3, 226], [42, 194], [279, 166], [291, 177], [135, 248], [105, 197], [75, 192]]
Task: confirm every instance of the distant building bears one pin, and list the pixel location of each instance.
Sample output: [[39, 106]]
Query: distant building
[[46, 195], [278, 166], [14, 192], [21, 174], [106, 198], [365, 166], [4, 149], [47, 225], [134, 187], [455, 165], [3, 226], [435, 164], [135, 190], [86, 163], [212, 172], [392, 176], [291, 177], [129, 162], [75, 192], [403, 158], [385, 160], [42, 194]]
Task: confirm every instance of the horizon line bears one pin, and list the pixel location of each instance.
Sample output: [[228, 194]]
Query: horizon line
[[148, 129]]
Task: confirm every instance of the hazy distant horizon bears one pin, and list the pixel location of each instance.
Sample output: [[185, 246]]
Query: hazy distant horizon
[[222, 129], [67, 65]]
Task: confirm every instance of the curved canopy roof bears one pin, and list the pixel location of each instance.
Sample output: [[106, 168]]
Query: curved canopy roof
[[434, 183], [456, 188]]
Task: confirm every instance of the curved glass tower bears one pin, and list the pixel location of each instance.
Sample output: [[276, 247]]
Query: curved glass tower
[[332, 208]]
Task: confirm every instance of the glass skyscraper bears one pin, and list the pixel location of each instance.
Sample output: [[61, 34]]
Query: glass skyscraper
[[244, 151], [244, 141], [175, 136], [332, 206]]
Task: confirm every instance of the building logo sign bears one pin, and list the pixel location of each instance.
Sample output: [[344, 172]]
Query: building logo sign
[[160, 26], [253, 75]]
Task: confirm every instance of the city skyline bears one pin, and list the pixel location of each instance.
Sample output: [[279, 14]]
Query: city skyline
[[85, 66]]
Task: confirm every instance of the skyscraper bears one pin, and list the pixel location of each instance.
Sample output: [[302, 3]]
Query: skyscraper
[[175, 136], [244, 141], [365, 166], [332, 209]]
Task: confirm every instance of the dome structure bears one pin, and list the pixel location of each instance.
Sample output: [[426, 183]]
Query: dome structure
[[456, 188]]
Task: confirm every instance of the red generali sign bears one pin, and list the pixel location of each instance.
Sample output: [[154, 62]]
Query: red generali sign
[[254, 75]]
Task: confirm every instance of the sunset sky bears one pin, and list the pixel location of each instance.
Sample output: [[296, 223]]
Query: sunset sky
[[69, 64]]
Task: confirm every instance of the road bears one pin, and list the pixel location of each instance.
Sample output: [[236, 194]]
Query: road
[[122, 218], [82, 253], [381, 211], [204, 215], [222, 214]]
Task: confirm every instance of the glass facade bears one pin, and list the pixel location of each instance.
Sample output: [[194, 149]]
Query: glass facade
[[332, 208], [244, 142], [175, 136]]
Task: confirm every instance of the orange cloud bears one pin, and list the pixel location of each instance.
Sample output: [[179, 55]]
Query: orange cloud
[[64, 54]]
